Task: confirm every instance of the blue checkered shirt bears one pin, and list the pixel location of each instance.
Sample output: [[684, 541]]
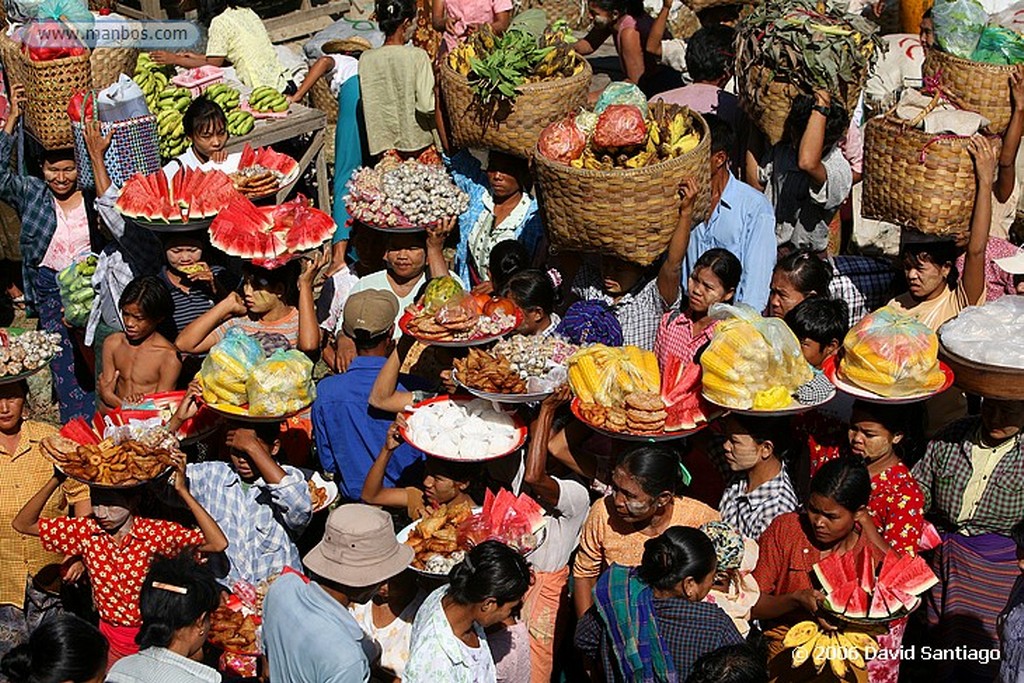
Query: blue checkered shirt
[[261, 521]]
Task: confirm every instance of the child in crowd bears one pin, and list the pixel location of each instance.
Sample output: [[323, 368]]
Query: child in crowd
[[206, 126], [397, 85], [639, 302], [760, 489], [734, 589], [534, 292], [195, 285], [805, 175], [797, 276], [238, 37], [63, 648], [118, 547], [507, 258], [267, 311], [457, 18], [821, 325], [445, 482], [629, 26], [682, 333], [140, 360]]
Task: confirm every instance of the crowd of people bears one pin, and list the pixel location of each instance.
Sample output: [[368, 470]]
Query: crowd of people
[[688, 560]]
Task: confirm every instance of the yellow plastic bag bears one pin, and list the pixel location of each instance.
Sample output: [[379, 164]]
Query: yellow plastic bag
[[227, 366], [282, 384]]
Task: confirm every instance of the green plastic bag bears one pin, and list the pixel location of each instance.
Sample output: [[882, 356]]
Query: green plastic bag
[[999, 45], [959, 25]]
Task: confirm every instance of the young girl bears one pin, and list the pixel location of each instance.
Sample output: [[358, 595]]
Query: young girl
[[207, 127], [457, 18], [681, 333], [657, 609], [194, 285], [629, 25], [61, 648], [535, 293], [118, 548], [265, 312], [445, 482], [238, 37], [797, 276], [397, 85], [139, 360]]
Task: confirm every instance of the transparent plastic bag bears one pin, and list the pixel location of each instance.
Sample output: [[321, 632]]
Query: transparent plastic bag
[[977, 332], [76, 290], [959, 25], [226, 368], [280, 385], [622, 92], [891, 354], [999, 45]]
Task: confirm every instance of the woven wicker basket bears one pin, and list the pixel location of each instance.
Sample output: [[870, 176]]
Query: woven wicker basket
[[322, 99], [915, 179], [516, 130], [572, 11], [628, 213], [108, 63], [770, 105], [984, 88]]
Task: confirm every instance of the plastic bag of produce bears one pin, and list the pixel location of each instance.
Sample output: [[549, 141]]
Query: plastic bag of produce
[[227, 367], [562, 141], [975, 334], [891, 354], [999, 45], [752, 361], [959, 25], [281, 384], [76, 290], [621, 93], [620, 125]]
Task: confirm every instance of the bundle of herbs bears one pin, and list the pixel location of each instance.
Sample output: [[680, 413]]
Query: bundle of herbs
[[806, 44]]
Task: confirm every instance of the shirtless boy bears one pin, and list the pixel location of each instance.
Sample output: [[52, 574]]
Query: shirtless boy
[[139, 360]]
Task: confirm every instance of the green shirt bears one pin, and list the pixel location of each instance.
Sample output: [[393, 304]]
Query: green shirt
[[397, 84]]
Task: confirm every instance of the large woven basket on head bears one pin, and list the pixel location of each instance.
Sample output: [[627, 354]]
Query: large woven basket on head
[[915, 179], [320, 95], [628, 213], [108, 63], [573, 11], [514, 130], [983, 88], [768, 107]]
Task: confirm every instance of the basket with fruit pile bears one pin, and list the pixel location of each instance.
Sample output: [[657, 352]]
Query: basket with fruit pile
[[609, 182], [517, 370], [399, 196], [619, 393], [500, 92], [449, 316]]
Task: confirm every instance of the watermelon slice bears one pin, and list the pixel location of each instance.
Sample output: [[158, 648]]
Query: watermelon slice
[[303, 226], [866, 570], [930, 537], [681, 393], [915, 578], [894, 563], [857, 605], [908, 601], [841, 594], [530, 511], [191, 194], [880, 604], [831, 572], [243, 230]]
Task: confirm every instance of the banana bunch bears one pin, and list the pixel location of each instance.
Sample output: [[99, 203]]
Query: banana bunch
[[227, 97], [266, 99], [171, 129], [839, 649], [152, 78], [605, 375], [240, 123], [173, 97], [674, 135]]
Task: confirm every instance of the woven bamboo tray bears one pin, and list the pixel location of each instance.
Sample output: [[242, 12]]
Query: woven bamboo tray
[[320, 95], [772, 100], [628, 213], [915, 179], [108, 63], [983, 88], [516, 129], [990, 381]]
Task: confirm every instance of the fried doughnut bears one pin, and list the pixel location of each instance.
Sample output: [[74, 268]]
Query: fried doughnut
[[645, 401]]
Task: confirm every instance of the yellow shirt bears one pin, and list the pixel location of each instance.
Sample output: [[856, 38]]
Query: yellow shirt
[[238, 35], [938, 310], [23, 473], [983, 463]]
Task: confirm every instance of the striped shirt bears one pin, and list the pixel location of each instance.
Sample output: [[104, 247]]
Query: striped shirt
[[639, 310], [160, 665], [188, 305], [752, 511]]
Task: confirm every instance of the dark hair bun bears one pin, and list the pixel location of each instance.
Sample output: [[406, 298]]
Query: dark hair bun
[[17, 664]]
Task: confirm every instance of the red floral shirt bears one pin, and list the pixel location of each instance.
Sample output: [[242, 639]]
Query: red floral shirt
[[117, 571]]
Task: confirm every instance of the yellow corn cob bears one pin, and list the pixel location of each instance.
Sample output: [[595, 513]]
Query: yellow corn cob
[[587, 378], [651, 371]]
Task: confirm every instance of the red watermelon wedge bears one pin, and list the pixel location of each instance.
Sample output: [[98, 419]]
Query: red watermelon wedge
[[866, 569], [857, 605], [930, 537], [304, 227], [831, 573], [841, 594], [910, 602], [915, 578], [880, 604]]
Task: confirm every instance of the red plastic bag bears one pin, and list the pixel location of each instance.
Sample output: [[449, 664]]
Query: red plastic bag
[[620, 125], [562, 141]]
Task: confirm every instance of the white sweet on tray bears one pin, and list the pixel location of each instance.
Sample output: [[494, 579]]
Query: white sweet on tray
[[470, 430], [980, 333]]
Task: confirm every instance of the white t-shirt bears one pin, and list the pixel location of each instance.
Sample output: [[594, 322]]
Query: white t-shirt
[[563, 529], [189, 160]]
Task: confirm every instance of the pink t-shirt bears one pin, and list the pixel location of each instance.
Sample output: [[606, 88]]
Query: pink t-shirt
[[70, 240], [468, 13], [706, 98]]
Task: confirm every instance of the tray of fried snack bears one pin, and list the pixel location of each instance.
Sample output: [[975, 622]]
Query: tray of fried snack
[[457, 327], [110, 465], [436, 540], [491, 376], [234, 630]]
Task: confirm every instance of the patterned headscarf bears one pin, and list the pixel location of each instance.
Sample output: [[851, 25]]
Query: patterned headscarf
[[728, 544], [590, 322]]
